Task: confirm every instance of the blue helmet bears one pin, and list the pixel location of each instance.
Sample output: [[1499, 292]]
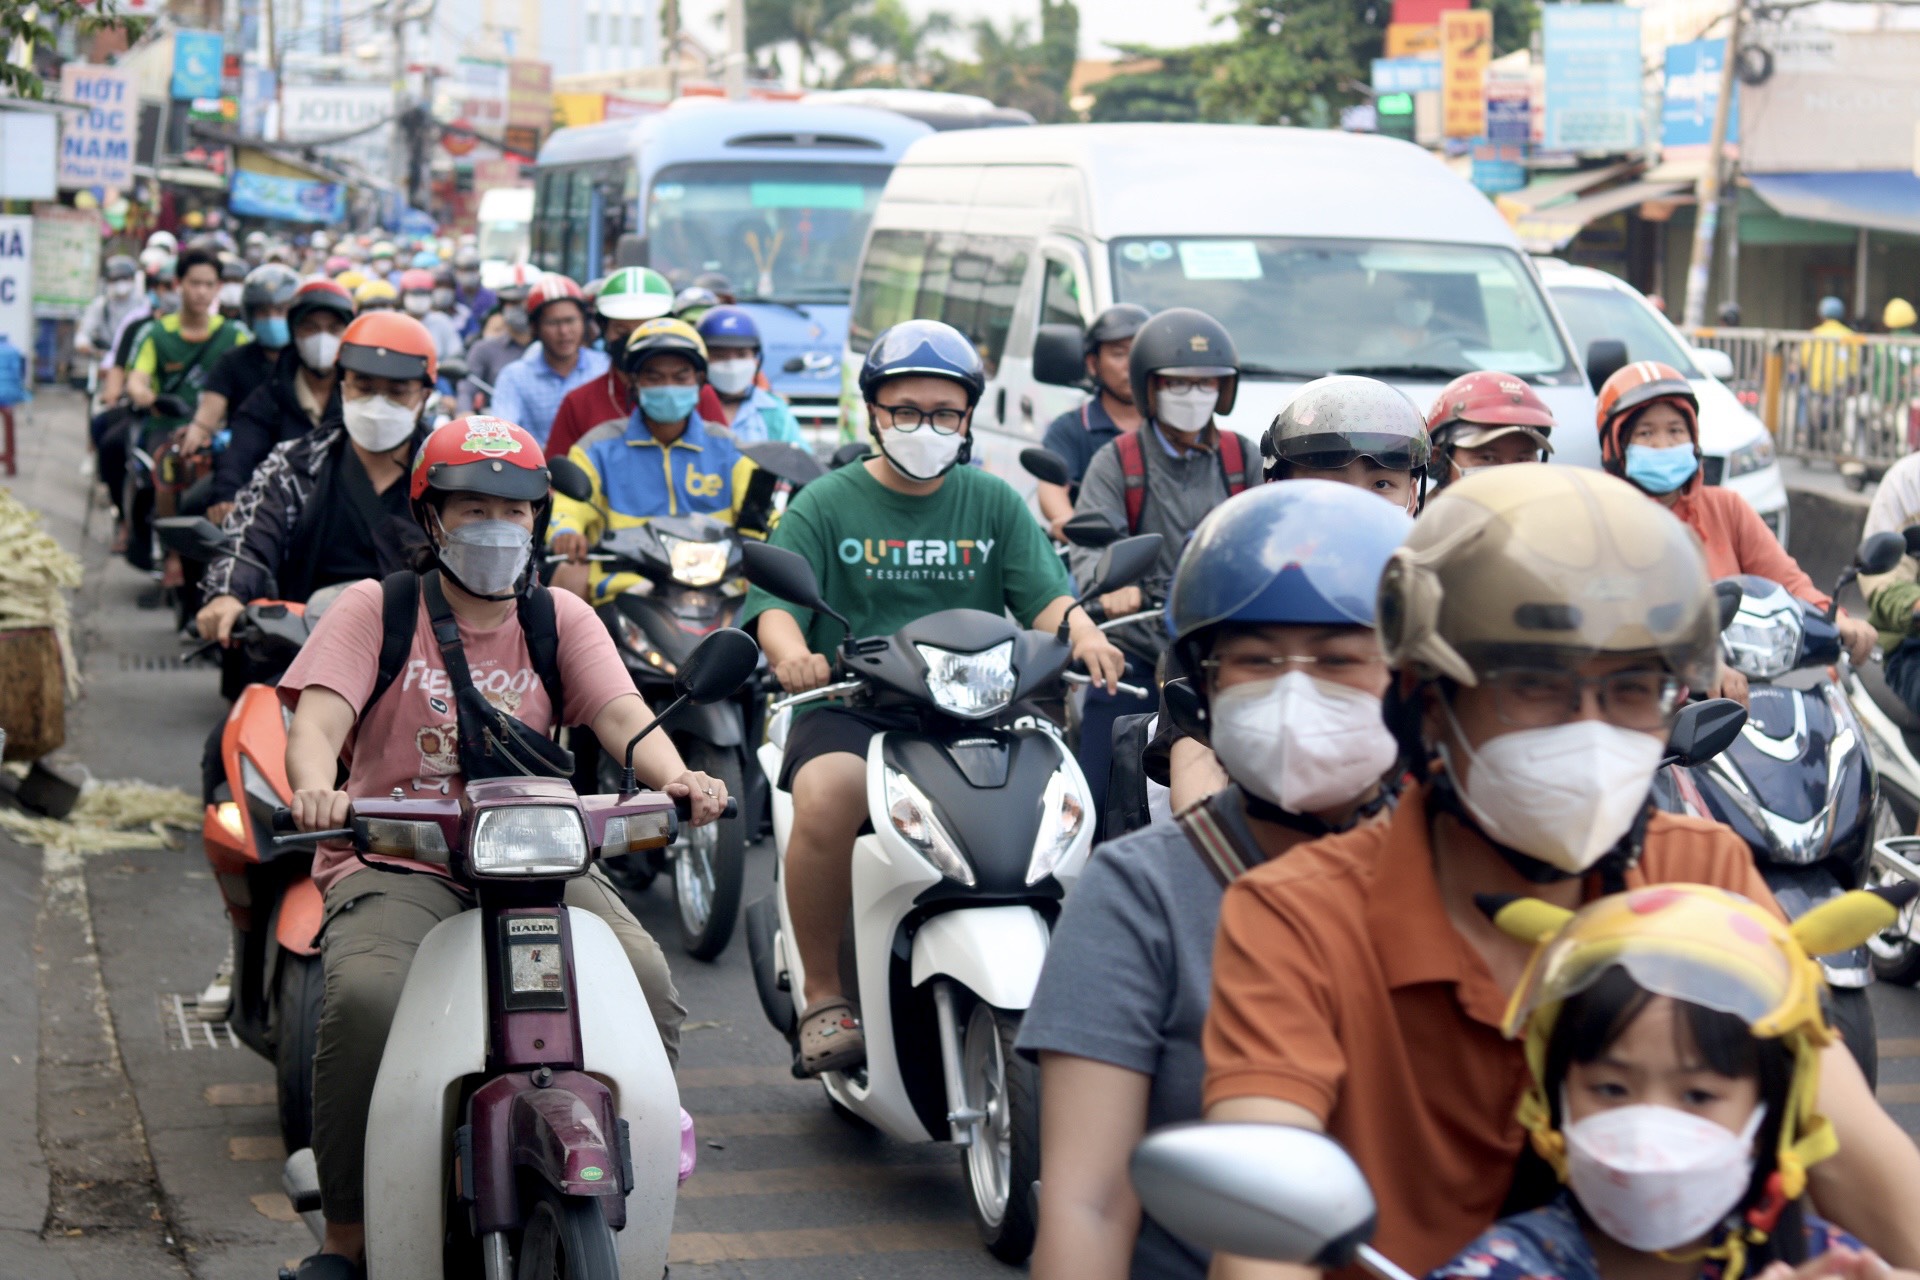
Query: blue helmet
[[1831, 308], [1299, 552], [729, 327], [925, 348], [426, 260]]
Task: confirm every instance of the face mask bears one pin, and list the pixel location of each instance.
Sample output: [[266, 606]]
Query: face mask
[[1564, 794], [516, 318], [119, 290], [920, 455], [378, 424], [467, 279], [668, 404], [382, 266], [1413, 313], [732, 377], [1656, 1177], [443, 297], [165, 304], [1661, 470], [1302, 743], [417, 304], [230, 298], [487, 557], [319, 351], [1185, 410], [272, 331]]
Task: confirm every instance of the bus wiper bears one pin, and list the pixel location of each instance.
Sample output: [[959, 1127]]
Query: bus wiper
[[1405, 370], [1253, 370]]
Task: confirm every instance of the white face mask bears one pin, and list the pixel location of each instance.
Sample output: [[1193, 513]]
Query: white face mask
[[1304, 744], [1657, 1177], [920, 455], [1185, 410], [733, 377], [378, 424], [1563, 794], [120, 290], [319, 351], [417, 304]]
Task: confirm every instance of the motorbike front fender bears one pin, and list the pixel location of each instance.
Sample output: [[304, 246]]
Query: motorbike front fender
[[297, 925], [995, 952]]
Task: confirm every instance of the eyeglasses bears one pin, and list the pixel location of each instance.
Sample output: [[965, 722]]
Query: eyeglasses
[[905, 417], [1188, 384], [1538, 699], [1338, 667]]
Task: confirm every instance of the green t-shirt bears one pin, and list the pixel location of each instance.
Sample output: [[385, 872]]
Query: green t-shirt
[[886, 558]]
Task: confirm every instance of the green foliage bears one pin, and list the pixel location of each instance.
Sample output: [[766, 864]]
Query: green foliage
[[1014, 69], [880, 43], [807, 23], [1513, 22], [1169, 93], [35, 27], [1295, 61]]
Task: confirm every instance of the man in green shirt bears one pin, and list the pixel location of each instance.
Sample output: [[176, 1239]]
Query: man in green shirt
[[181, 349], [895, 538]]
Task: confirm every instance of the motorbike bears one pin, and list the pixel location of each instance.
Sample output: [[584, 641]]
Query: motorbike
[[980, 824], [1798, 784], [524, 1120], [139, 494]]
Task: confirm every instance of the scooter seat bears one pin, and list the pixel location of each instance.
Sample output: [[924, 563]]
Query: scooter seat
[[1874, 680]]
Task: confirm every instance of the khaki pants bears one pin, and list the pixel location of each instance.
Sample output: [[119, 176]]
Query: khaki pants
[[374, 923]]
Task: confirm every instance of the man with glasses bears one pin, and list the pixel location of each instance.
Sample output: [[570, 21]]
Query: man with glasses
[[893, 538], [1544, 626], [662, 461]]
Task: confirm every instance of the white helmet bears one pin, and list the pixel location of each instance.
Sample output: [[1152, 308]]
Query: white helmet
[[163, 240]]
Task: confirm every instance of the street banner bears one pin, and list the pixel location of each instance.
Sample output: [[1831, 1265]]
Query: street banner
[[529, 94], [1406, 75], [197, 63], [263, 195], [1466, 47], [1692, 93], [1422, 12], [257, 92], [1498, 166], [29, 144], [96, 147], [1593, 76], [1836, 102], [66, 260], [309, 111], [16, 281], [1510, 107], [1413, 40], [482, 94]]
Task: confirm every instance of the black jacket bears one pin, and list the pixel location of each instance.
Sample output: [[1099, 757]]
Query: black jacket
[[270, 416]]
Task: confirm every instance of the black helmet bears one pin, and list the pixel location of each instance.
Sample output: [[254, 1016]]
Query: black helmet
[[927, 348], [268, 285], [1332, 421], [714, 282], [233, 268], [1116, 324], [1185, 343], [121, 267]]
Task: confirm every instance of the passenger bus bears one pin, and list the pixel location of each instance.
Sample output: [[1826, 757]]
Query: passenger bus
[[775, 196]]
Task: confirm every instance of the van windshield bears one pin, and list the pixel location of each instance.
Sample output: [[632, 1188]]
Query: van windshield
[[1396, 309], [1593, 314], [779, 232]]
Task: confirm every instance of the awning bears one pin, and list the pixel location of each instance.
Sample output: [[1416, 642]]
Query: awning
[[1879, 201], [1549, 229], [1563, 186]]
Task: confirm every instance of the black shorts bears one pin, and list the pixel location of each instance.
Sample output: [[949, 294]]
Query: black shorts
[[824, 730]]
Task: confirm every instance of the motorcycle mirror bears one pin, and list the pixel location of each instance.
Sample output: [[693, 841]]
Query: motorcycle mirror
[[1090, 529], [1046, 466], [569, 479], [783, 461], [1605, 357], [847, 454], [1059, 355], [1125, 562], [1258, 1191], [1881, 553], [191, 537], [1182, 705], [1703, 730], [453, 368], [717, 667], [787, 576], [1912, 538], [1727, 594]]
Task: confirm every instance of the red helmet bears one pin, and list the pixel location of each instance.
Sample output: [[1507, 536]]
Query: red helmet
[[416, 280], [1632, 389], [554, 287], [320, 294], [1478, 408], [515, 284], [480, 454], [388, 344]]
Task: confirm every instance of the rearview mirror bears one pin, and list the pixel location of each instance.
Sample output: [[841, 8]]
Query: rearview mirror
[[1046, 466], [1090, 529], [1912, 538], [1124, 562], [783, 461], [847, 454], [1258, 1191], [781, 573], [1059, 355], [191, 537], [1881, 553], [1182, 706], [1713, 362], [717, 667], [1727, 596], [453, 368], [1703, 730], [569, 479], [1605, 357]]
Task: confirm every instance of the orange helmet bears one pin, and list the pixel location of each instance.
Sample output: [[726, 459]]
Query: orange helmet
[[1632, 389], [388, 344]]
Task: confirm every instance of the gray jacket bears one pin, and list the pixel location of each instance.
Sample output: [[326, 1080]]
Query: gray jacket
[[1180, 491]]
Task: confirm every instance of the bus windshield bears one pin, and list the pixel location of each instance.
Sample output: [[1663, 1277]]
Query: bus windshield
[[779, 232]]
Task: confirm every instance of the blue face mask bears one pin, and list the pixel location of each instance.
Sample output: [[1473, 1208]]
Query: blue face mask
[[1661, 470], [668, 404], [272, 331]]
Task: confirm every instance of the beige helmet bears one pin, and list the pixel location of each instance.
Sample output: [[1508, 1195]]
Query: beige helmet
[[1534, 565]]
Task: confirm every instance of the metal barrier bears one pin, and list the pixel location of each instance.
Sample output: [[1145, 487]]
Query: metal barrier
[[1853, 401]]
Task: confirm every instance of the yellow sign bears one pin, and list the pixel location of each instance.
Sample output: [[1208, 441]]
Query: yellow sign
[[1466, 47], [580, 108], [1412, 39]]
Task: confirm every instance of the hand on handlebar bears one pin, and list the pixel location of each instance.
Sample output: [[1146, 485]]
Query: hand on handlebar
[[803, 674], [216, 618], [706, 795], [1102, 659], [1732, 684], [321, 809], [1859, 637], [192, 438], [1120, 603], [573, 546]]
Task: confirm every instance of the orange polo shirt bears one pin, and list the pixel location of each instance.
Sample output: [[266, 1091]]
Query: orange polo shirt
[[1340, 985]]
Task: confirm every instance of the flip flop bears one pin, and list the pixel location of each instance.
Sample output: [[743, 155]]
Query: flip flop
[[831, 1038], [325, 1266]]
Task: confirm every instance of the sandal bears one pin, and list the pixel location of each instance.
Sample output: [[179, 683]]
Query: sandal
[[325, 1266], [831, 1038]]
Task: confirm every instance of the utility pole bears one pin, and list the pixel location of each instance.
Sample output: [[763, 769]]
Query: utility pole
[[400, 155], [1707, 199], [736, 49]]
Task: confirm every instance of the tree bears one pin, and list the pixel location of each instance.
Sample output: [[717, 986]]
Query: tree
[[1513, 23], [1167, 86], [882, 44], [1296, 61], [1012, 69], [806, 23], [27, 33]]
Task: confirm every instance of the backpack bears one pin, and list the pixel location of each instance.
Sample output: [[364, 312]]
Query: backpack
[[1133, 469], [400, 613]]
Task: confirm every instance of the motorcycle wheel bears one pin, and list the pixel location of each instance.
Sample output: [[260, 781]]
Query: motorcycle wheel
[[1852, 1016], [296, 1034], [710, 863], [566, 1238], [1003, 1161], [632, 873]]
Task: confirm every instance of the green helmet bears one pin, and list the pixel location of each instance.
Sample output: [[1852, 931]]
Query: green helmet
[[634, 293]]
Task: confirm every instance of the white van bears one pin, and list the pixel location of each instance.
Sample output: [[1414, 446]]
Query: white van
[[1319, 251], [506, 229]]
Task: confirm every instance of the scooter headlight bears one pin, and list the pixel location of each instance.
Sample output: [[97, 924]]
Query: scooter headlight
[[969, 685], [1763, 646], [1062, 815], [529, 840], [697, 564], [913, 817]]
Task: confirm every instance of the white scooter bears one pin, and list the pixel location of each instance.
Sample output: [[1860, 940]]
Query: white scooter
[[979, 825]]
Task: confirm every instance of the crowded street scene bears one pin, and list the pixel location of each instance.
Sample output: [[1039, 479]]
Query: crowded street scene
[[778, 640]]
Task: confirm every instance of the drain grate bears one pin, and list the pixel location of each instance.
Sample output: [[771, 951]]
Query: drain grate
[[184, 1030], [156, 662]]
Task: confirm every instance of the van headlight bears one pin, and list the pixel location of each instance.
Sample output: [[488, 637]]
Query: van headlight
[[1062, 815], [529, 840], [697, 564], [1763, 647], [969, 685], [1750, 458], [913, 817]]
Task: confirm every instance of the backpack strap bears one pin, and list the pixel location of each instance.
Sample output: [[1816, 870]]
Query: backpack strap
[[1233, 460], [1133, 470], [399, 611], [1210, 839], [542, 632]]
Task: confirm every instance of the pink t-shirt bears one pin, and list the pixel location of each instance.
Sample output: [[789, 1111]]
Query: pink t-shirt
[[412, 734]]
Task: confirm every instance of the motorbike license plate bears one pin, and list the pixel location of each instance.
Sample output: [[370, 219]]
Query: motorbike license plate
[[535, 963]]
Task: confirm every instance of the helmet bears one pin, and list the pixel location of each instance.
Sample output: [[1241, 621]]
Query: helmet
[[443, 278], [336, 264], [233, 269], [320, 240], [1478, 408], [663, 335], [1186, 343], [163, 240], [466, 258], [1307, 553], [553, 287], [383, 249], [321, 294], [1546, 564], [1703, 946], [1729, 314], [1332, 421], [1116, 324], [1831, 308], [269, 285], [634, 293], [515, 285], [479, 455], [387, 344], [230, 293], [694, 298], [1632, 389], [1899, 314], [376, 293], [350, 279], [153, 258], [121, 267], [715, 282], [426, 259], [256, 237], [730, 327], [416, 280], [926, 348]]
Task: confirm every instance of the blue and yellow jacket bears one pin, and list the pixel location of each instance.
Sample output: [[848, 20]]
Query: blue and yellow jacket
[[635, 478]]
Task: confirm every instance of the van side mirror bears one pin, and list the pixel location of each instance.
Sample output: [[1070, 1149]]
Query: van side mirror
[[1713, 362], [1059, 355], [630, 250], [1605, 357], [1703, 730]]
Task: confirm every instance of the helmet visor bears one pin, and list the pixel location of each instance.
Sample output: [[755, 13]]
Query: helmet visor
[[1331, 452], [1749, 984], [922, 348]]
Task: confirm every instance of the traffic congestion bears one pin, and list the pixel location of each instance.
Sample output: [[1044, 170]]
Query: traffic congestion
[[1190, 699]]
